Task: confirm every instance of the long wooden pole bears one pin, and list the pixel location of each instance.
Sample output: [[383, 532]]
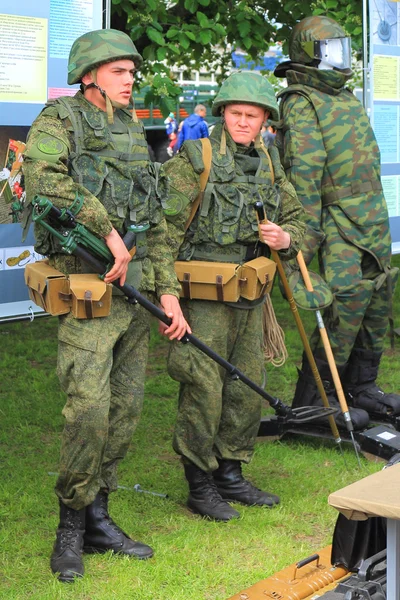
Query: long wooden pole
[[261, 217], [329, 354]]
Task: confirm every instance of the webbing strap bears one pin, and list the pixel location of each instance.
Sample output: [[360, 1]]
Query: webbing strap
[[219, 282], [249, 179], [269, 162], [355, 189], [207, 155], [76, 124], [88, 304]]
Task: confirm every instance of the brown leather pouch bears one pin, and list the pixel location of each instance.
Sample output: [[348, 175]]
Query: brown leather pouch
[[256, 277], [90, 296], [48, 287], [204, 280], [85, 295]]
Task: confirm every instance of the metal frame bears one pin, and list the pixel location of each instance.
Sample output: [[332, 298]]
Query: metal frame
[[106, 14]]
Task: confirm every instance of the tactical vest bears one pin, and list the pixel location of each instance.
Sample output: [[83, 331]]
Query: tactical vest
[[126, 183], [226, 223], [350, 188]]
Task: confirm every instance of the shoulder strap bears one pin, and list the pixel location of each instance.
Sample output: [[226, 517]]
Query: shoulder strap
[[271, 168], [207, 155]]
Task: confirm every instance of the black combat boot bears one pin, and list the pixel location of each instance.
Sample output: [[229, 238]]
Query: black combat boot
[[102, 534], [204, 498], [233, 487], [66, 558], [361, 389], [307, 394]]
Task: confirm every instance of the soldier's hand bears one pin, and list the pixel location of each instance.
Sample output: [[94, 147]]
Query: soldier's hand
[[273, 235], [179, 326], [121, 256]]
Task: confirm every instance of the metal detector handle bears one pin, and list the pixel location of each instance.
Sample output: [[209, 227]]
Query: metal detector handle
[[129, 239], [261, 216], [262, 220]]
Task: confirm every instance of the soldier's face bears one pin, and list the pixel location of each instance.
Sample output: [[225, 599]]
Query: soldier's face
[[244, 122], [116, 78]]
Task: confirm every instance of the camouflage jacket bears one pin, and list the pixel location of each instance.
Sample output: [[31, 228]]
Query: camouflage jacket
[[72, 150], [225, 226], [331, 157]]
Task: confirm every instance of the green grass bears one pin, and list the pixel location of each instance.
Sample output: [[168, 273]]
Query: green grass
[[194, 559]]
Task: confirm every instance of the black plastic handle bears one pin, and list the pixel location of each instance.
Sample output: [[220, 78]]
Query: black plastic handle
[[307, 561]]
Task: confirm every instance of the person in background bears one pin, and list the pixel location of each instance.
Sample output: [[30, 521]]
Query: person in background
[[90, 146], [193, 127], [171, 127], [268, 134], [331, 156]]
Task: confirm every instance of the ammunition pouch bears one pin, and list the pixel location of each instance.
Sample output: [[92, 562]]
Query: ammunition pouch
[[225, 282], [90, 296], [84, 295], [257, 277]]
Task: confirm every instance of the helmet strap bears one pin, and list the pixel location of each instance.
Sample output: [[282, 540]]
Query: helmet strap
[[109, 106], [134, 115]]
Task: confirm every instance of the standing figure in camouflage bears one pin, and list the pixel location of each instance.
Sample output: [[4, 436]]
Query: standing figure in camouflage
[[218, 418], [331, 157], [90, 146]]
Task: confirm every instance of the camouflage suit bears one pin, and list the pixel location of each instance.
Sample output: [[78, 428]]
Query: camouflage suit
[[331, 157], [218, 418], [72, 150]]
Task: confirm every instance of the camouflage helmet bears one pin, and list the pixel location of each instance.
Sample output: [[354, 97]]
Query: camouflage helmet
[[97, 48], [246, 88], [310, 38]]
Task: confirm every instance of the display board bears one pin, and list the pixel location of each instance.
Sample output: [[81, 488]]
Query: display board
[[35, 40], [384, 39]]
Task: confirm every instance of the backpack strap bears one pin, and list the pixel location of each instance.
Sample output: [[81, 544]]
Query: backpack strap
[[207, 156], [271, 168]]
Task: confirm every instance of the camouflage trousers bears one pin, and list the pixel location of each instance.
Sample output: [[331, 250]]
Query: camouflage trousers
[[217, 416], [101, 367], [359, 314]]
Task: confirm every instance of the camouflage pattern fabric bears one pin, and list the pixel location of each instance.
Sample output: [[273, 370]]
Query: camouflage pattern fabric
[[96, 48], [358, 317], [332, 159], [104, 392], [227, 216], [133, 192], [242, 88], [71, 150], [321, 296], [217, 416]]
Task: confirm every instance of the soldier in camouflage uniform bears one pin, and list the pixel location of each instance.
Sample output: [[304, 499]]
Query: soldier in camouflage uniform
[[331, 157], [218, 418], [89, 146]]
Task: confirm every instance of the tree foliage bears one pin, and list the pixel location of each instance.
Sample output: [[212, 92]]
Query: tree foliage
[[203, 33]]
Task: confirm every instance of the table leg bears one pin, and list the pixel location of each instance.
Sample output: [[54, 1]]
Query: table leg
[[393, 559]]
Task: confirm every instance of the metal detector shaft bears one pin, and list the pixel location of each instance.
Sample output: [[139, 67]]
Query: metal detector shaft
[[262, 218], [66, 219], [329, 354], [135, 296]]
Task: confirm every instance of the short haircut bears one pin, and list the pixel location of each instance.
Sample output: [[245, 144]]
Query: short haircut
[[199, 107]]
